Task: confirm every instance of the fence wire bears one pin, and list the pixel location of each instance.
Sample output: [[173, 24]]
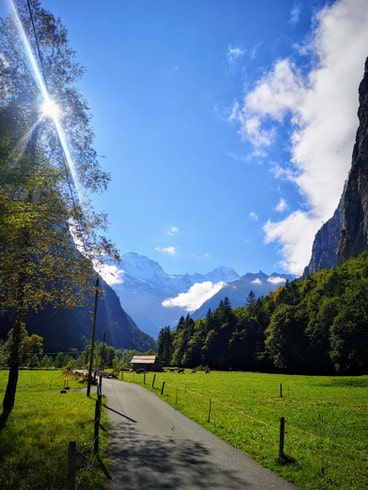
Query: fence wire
[[303, 447]]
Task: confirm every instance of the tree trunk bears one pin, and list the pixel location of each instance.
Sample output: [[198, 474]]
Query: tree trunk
[[9, 398]]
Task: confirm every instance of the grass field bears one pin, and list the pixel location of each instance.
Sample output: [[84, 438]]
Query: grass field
[[326, 438], [34, 441]]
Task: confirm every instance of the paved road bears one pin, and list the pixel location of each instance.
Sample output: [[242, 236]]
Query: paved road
[[153, 446]]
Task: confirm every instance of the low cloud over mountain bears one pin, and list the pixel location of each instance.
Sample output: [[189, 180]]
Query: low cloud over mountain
[[155, 299]]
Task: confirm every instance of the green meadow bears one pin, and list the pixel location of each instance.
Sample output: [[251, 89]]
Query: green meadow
[[34, 439], [326, 428]]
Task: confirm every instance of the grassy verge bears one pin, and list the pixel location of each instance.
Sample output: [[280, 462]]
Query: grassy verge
[[34, 441], [326, 439]]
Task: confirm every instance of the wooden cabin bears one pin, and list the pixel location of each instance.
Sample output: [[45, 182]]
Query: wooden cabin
[[146, 363]]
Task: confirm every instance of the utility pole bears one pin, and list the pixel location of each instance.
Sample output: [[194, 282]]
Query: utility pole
[[93, 340], [103, 360]]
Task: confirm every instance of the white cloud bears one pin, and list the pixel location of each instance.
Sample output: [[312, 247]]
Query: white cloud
[[253, 215], [109, 273], [276, 280], [323, 106], [295, 14], [172, 231], [295, 235], [232, 54], [166, 250], [276, 93], [281, 206], [257, 281], [194, 297]]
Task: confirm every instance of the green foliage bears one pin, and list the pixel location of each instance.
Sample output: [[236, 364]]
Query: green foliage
[[30, 349], [164, 346], [126, 357], [316, 325]]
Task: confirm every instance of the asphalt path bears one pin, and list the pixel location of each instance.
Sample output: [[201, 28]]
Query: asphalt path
[[153, 446]]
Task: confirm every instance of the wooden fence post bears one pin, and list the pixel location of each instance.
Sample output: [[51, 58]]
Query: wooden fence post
[[97, 423], [163, 386], [153, 380], [282, 438], [72, 449], [280, 390], [209, 411], [176, 399]]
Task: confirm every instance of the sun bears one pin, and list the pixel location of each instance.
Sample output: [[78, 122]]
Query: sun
[[49, 108]]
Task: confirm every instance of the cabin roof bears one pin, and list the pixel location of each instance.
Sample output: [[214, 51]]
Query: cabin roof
[[143, 360]]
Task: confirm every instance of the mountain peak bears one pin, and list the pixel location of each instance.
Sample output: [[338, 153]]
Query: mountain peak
[[222, 273], [141, 267], [155, 299]]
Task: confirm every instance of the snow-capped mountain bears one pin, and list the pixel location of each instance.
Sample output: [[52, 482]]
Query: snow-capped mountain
[[238, 291], [155, 299]]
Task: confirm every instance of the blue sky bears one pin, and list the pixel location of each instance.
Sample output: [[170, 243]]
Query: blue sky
[[227, 125]]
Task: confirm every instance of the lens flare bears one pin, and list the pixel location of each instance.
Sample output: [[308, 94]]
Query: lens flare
[[50, 109], [48, 106]]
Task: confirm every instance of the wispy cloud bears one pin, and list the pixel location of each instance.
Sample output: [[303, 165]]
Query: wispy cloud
[[172, 231], [253, 215], [295, 14], [233, 53], [194, 297], [322, 106], [281, 206], [198, 256], [166, 250]]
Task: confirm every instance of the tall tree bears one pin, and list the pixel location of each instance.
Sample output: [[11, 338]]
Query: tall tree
[[165, 346], [44, 163]]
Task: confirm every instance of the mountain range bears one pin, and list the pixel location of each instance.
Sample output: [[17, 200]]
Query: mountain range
[[146, 299], [155, 299]]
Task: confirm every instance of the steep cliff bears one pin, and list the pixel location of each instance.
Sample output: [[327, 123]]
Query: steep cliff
[[326, 241], [346, 233], [354, 237], [66, 329]]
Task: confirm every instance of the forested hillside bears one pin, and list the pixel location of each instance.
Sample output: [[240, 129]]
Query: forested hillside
[[316, 325]]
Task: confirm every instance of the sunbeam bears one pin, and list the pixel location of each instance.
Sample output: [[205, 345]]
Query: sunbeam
[[24, 140], [48, 107]]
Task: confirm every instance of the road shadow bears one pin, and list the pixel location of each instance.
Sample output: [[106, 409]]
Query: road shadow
[[141, 461], [121, 414]]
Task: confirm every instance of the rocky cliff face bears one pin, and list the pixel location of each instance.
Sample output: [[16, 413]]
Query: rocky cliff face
[[346, 233], [326, 242], [66, 329], [354, 237]]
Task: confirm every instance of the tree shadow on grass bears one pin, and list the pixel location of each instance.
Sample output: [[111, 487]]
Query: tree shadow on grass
[[3, 419]]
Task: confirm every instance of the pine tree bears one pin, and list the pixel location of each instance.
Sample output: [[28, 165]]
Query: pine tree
[[165, 346]]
